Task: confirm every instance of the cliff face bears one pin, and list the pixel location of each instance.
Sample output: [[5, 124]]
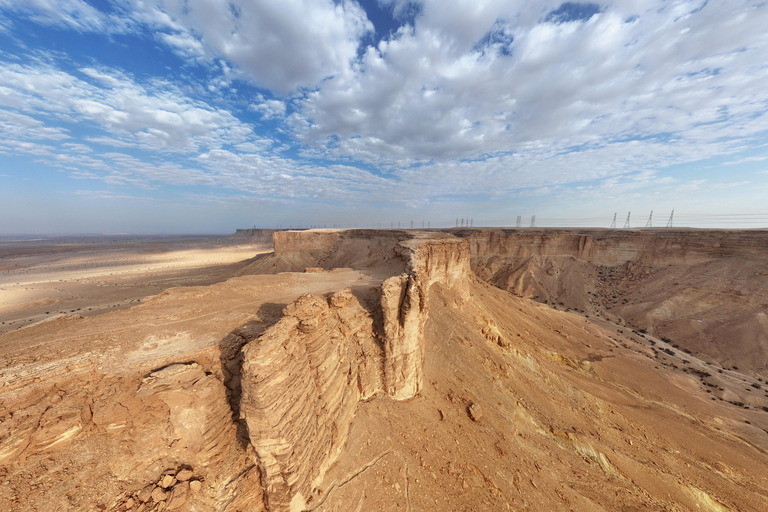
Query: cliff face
[[136, 410], [301, 382], [296, 251], [302, 379], [614, 247], [404, 303], [702, 289]]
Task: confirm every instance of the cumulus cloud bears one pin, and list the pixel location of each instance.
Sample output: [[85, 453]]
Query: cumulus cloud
[[269, 108], [485, 97], [449, 88], [280, 45]]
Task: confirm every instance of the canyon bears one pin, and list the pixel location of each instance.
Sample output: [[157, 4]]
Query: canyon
[[705, 290], [394, 370]]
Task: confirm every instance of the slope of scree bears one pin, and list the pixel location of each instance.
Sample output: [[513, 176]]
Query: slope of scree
[[704, 290], [410, 386]]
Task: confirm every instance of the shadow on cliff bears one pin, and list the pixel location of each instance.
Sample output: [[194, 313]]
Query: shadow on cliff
[[369, 298], [231, 358]]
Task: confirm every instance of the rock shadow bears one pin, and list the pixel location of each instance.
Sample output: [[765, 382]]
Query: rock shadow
[[369, 298], [231, 359]]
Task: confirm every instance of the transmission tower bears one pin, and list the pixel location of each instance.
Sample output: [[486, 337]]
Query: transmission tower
[[533, 221], [669, 222], [626, 224], [519, 221], [649, 224], [613, 224], [472, 222]]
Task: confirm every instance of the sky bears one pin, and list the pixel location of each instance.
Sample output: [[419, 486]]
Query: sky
[[203, 116]]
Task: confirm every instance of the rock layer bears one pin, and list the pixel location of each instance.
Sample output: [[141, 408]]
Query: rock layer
[[703, 289], [303, 378]]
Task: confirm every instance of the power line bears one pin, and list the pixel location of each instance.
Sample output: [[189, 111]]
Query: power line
[[613, 224], [626, 224], [649, 224]]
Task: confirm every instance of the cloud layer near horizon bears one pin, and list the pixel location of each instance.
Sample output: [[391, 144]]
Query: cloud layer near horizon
[[329, 102]]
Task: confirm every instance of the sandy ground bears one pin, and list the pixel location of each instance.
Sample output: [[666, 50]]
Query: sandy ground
[[44, 279]]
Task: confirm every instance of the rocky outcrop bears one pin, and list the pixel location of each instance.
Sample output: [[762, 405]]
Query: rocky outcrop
[[702, 289], [302, 381], [329, 249], [128, 444], [303, 378], [404, 304]]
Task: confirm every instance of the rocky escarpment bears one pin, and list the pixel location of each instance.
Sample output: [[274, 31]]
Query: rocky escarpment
[[157, 408], [295, 251], [137, 410], [702, 289], [302, 379]]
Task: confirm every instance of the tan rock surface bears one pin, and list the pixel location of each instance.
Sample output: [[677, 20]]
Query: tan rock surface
[[703, 289], [94, 410], [356, 389]]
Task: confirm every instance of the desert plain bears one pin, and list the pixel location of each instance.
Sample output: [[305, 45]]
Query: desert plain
[[41, 279], [473, 369]]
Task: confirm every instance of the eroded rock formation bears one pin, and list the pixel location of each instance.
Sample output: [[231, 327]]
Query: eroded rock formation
[[703, 289], [301, 382], [303, 378]]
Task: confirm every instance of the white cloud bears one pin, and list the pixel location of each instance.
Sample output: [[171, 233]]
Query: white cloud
[[471, 97], [432, 93], [155, 115], [281, 45], [74, 14], [269, 108]]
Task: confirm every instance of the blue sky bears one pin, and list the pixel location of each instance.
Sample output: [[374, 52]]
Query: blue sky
[[202, 116]]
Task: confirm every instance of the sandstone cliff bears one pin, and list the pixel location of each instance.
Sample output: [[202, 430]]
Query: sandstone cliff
[[138, 409], [703, 289], [302, 379], [375, 250]]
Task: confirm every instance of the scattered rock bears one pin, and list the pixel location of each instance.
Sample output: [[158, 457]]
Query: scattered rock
[[167, 481], [475, 411], [178, 496], [184, 475], [195, 485], [158, 495], [145, 494]]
